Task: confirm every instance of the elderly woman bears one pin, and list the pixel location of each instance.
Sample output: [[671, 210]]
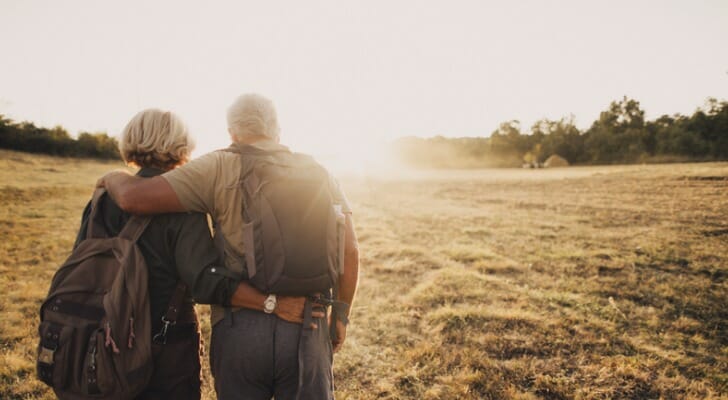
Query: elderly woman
[[177, 248]]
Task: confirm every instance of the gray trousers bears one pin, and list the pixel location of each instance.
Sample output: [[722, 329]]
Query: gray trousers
[[256, 356]]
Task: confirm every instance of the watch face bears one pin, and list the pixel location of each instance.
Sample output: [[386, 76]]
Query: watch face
[[270, 304]]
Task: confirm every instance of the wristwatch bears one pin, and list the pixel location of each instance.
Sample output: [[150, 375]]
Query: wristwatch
[[269, 305]]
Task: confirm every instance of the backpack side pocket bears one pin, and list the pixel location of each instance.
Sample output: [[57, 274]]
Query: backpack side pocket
[[54, 352]]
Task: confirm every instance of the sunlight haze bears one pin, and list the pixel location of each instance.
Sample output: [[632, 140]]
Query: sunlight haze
[[348, 76], [520, 199]]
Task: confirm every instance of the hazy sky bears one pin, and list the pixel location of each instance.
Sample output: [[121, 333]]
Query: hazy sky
[[352, 74]]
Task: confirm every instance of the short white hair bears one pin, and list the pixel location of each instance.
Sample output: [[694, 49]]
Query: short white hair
[[156, 138], [253, 115]]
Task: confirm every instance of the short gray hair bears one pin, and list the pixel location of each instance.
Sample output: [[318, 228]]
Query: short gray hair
[[253, 115], [156, 138]]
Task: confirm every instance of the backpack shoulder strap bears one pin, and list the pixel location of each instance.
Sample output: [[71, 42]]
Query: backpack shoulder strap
[[175, 302], [98, 193], [134, 227], [95, 227]]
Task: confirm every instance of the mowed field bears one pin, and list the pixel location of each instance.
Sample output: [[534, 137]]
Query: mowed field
[[583, 282]]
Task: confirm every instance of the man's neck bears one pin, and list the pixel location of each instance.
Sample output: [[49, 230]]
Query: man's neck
[[251, 139]]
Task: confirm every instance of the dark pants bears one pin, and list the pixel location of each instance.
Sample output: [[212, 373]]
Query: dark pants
[[255, 356], [176, 369]]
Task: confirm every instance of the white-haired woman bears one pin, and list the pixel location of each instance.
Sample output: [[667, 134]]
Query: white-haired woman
[[177, 248]]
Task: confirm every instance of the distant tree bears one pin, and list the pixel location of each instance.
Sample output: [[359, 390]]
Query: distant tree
[[26, 136], [674, 137], [711, 123], [7, 132], [560, 137], [507, 139], [619, 135], [97, 145]]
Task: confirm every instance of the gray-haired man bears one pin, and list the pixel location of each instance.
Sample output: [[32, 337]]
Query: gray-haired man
[[254, 355]]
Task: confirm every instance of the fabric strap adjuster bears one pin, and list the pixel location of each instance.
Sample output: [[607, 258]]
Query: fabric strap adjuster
[[46, 355]]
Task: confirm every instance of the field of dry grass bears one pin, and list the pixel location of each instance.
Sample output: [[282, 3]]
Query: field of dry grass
[[586, 283]]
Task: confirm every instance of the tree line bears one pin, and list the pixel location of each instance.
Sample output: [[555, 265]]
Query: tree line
[[25, 136], [621, 134]]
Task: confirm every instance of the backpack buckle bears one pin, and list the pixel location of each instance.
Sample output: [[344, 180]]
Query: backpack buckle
[[321, 300], [161, 337], [46, 355]]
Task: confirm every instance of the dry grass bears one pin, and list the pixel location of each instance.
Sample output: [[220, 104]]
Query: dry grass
[[584, 283]]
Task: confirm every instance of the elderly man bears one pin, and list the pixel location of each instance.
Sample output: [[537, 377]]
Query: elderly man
[[254, 355]]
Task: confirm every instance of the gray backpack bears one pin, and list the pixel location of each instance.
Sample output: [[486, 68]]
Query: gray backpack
[[292, 233]]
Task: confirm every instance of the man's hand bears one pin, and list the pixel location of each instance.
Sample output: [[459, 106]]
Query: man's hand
[[102, 182], [291, 309], [340, 335]]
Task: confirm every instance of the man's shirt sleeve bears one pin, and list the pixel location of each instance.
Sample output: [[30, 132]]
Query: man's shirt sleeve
[[194, 183], [339, 197]]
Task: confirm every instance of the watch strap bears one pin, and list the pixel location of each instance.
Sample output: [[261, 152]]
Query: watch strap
[[340, 311]]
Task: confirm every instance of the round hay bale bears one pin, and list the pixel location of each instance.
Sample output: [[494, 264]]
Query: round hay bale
[[555, 161]]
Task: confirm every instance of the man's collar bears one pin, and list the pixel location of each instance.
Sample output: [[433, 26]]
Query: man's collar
[[266, 145], [148, 172], [269, 145]]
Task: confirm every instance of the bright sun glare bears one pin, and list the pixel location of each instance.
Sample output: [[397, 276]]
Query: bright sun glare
[[363, 159], [452, 70]]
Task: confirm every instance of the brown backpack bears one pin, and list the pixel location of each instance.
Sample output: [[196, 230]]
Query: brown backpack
[[95, 330], [292, 234]]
